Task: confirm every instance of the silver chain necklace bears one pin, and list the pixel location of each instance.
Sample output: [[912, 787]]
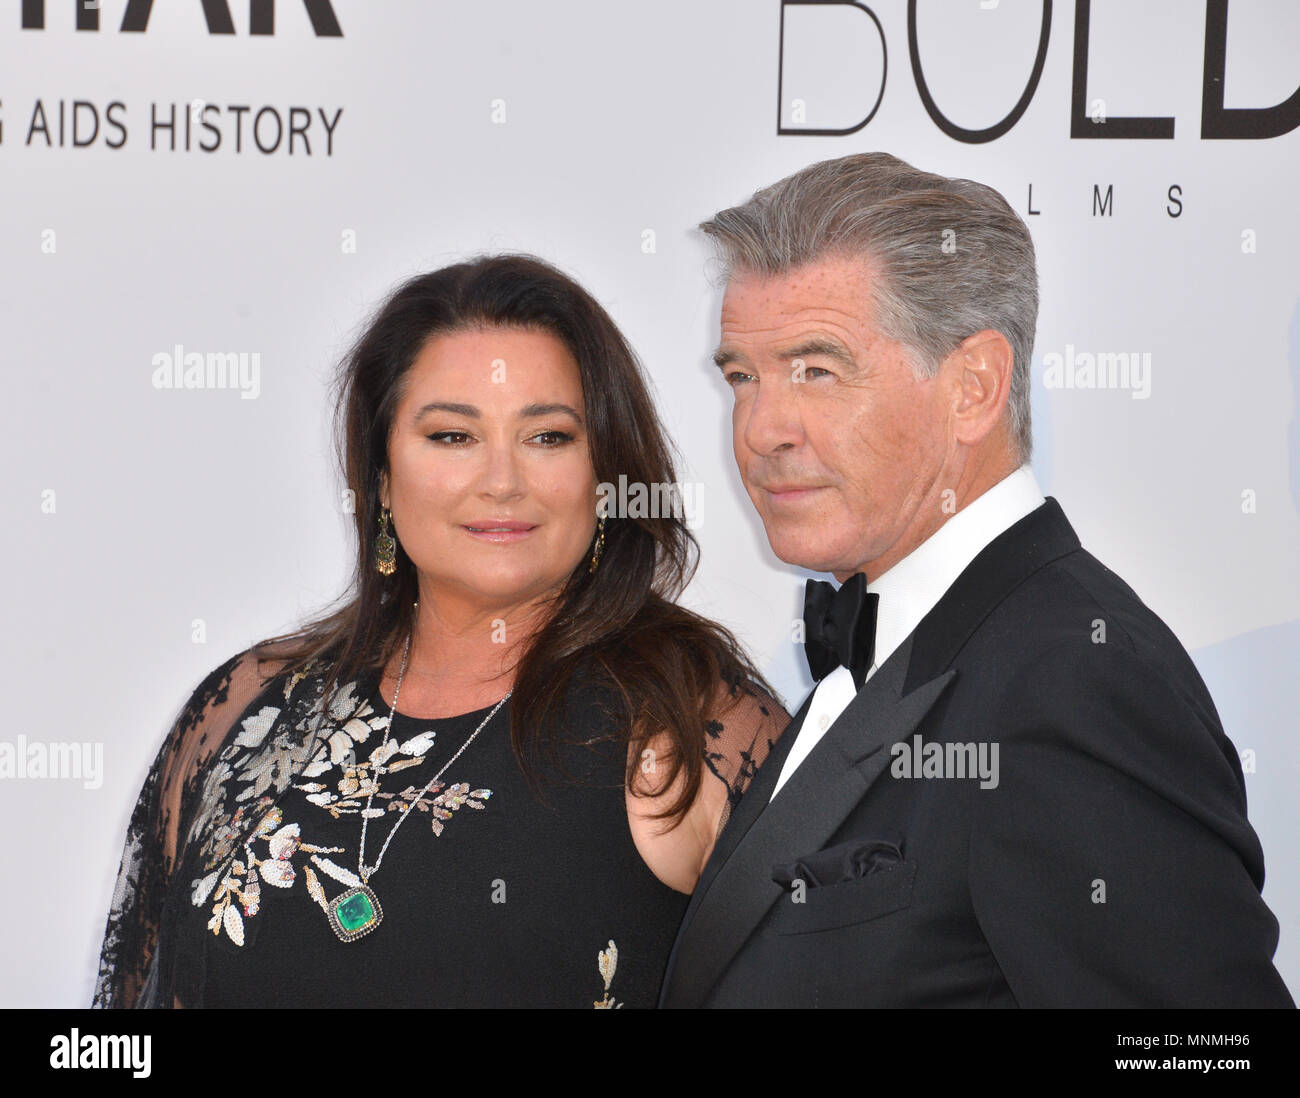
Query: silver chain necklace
[[355, 913]]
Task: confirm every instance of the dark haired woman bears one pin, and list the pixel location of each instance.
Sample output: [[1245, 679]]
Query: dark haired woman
[[492, 777]]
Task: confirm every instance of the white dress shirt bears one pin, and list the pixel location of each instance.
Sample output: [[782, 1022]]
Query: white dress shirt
[[911, 589]]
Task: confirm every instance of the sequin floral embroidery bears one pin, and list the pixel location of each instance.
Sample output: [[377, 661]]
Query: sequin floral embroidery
[[606, 963], [240, 856]]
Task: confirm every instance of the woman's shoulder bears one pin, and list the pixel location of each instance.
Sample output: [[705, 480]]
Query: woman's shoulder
[[743, 725], [746, 723], [232, 686]]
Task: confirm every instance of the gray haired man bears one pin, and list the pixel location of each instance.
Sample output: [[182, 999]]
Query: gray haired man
[[1009, 786]]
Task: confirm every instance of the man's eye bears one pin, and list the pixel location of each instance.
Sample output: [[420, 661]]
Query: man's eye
[[813, 371], [553, 438], [735, 377], [449, 438]]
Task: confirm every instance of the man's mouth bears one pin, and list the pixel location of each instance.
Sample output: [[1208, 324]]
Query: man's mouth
[[790, 493]]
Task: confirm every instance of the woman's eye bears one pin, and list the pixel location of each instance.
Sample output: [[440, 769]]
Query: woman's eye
[[462, 438], [553, 438]]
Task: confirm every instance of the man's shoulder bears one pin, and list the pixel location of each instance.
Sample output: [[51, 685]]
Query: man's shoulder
[[1078, 621], [1035, 601], [1076, 599]]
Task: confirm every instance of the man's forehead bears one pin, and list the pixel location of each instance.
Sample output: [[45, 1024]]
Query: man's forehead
[[767, 308], [836, 287]]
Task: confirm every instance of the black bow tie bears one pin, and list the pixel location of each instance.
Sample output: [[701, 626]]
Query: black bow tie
[[840, 627]]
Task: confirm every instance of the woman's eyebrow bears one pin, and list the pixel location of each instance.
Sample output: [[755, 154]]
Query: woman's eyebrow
[[532, 410], [467, 410], [470, 411]]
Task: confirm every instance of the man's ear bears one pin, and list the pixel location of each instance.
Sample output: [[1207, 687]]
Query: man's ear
[[980, 373]]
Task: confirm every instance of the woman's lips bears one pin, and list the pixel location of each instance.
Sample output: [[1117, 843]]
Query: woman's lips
[[501, 533]]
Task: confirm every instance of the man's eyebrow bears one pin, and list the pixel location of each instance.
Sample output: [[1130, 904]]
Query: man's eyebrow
[[529, 411], [724, 356], [819, 346]]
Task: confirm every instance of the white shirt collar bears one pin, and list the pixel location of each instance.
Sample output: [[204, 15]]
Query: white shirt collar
[[913, 586]]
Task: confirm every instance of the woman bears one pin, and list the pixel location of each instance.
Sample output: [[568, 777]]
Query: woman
[[495, 774]]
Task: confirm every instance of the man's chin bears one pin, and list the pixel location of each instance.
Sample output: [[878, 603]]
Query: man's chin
[[801, 553]]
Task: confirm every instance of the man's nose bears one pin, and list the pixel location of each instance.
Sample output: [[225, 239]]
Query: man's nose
[[773, 420]]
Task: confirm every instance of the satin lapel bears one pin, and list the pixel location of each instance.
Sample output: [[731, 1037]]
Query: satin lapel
[[1041, 537], [810, 807]]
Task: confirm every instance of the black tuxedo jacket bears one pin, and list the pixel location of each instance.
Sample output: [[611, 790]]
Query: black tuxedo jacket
[[1111, 865]]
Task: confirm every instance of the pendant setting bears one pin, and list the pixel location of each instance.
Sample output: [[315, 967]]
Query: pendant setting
[[355, 913]]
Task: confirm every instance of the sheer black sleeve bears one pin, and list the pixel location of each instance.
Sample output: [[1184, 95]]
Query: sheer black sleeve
[[739, 739], [127, 976]]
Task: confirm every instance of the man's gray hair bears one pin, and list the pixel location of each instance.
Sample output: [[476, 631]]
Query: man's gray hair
[[950, 256]]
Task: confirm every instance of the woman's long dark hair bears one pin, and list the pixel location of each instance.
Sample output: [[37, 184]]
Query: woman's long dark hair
[[618, 628]]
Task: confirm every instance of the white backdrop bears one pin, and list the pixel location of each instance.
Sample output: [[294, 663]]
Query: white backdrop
[[569, 129]]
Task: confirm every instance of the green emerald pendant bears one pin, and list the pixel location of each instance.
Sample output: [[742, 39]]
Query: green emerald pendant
[[355, 913]]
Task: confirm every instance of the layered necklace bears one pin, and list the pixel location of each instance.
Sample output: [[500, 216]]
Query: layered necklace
[[355, 913]]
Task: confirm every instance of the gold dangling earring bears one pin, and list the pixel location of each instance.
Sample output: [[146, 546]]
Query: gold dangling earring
[[385, 546], [600, 545]]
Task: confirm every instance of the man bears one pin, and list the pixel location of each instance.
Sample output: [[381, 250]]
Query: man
[[1010, 786]]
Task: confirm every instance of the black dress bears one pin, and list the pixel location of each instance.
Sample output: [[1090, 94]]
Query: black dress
[[492, 893]]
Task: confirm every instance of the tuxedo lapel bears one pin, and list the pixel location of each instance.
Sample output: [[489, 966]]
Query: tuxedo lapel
[[811, 805], [1042, 536], [736, 889]]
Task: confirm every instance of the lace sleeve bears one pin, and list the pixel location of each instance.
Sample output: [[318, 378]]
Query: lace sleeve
[[740, 738], [126, 971]]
